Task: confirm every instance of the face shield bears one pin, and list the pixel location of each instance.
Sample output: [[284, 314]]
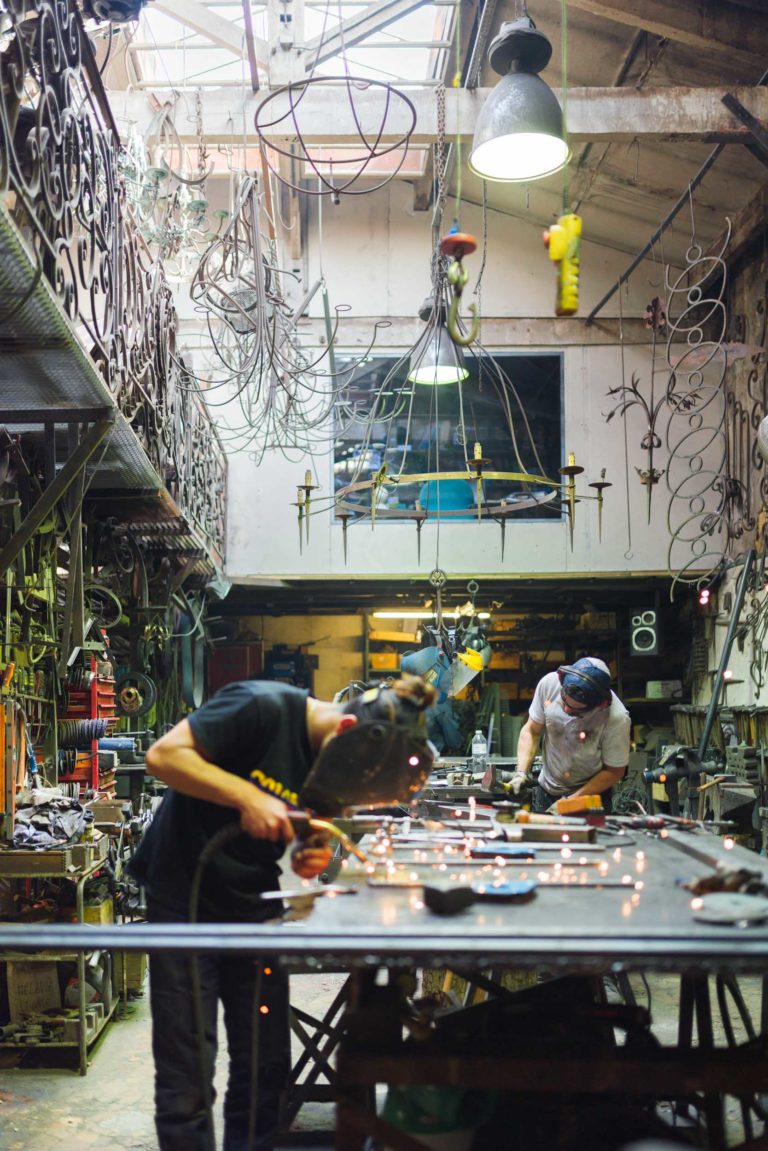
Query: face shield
[[383, 760]]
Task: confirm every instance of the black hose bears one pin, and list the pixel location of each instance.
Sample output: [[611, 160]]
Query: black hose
[[223, 836]]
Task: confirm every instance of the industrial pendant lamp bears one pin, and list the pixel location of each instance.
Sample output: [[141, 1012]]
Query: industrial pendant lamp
[[519, 132], [435, 358]]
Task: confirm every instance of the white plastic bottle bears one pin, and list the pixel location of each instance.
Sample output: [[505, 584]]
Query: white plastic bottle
[[479, 751]]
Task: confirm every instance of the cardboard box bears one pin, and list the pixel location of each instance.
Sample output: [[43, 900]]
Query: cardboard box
[[32, 988], [664, 689], [135, 963], [102, 911], [108, 812], [384, 661]]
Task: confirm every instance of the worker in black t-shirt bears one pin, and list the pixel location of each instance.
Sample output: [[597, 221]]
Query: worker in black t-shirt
[[248, 756]]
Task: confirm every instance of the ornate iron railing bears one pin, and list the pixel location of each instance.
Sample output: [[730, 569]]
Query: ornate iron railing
[[59, 159], [706, 510]]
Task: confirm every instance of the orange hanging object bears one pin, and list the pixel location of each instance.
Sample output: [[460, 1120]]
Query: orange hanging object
[[458, 244]]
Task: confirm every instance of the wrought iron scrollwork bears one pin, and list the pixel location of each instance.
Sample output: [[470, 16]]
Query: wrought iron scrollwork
[[60, 161], [706, 509]]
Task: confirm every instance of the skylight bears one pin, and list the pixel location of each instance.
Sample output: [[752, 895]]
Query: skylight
[[191, 44]]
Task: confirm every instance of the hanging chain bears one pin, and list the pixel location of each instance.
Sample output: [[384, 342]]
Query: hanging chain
[[440, 148], [202, 151], [439, 169]]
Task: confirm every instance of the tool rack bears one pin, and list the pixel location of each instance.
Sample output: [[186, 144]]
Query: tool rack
[[93, 698], [59, 863]]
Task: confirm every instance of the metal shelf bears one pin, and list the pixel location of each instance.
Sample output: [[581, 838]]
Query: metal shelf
[[45, 369]]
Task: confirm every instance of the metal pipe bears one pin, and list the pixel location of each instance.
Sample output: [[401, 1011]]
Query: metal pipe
[[683, 200], [741, 592]]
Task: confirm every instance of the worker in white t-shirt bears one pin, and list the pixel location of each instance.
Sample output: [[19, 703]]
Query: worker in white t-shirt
[[586, 732]]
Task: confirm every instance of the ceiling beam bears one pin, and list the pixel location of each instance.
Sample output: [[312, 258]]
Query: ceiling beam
[[223, 33], [509, 331], [715, 25], [607, 115], [350, 32], [250, 43]]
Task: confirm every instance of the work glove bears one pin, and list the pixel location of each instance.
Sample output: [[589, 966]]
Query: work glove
[[311, 856], [518, 781]]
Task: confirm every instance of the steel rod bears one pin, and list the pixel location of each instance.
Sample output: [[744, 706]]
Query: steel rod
[[725, 655]]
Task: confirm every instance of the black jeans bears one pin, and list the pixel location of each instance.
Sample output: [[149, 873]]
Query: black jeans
[[543, 800], [180, 1110]]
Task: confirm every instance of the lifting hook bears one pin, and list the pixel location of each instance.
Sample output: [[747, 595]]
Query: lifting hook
[[457, 244]]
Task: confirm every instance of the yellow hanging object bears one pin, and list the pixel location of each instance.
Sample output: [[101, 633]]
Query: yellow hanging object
[[563, 240]]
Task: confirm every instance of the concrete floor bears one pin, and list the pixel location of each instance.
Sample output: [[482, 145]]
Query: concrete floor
[[43, 1109], [46, 1108]]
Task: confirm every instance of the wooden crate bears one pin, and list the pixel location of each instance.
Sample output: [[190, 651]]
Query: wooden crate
[[24, 862]]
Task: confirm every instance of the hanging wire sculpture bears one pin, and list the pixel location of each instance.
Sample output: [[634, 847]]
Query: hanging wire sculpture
[[379, 473], [366, 113], [273, 391], [169, 202]]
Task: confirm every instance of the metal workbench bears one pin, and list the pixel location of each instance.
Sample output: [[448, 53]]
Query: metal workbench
[[611, 906]]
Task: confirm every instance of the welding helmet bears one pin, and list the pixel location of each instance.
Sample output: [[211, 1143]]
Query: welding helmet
[[383, 759], [587, 681]]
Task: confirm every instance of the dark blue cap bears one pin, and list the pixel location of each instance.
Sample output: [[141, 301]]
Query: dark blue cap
[[588, 681]]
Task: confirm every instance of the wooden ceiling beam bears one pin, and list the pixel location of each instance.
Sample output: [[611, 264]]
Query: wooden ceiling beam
[[606, 115], [713, 25]]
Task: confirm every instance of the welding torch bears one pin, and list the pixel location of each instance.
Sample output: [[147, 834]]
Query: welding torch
[[310, 831]]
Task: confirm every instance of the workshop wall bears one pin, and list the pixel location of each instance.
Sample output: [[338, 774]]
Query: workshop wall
[[336, 642], [375, 258]]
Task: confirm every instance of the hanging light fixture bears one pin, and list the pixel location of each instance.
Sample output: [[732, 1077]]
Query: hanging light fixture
[[519, 133], [435, 358]]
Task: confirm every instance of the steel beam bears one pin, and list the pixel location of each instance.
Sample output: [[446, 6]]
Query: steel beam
[[51, 496], [223, 33], [350, 32]]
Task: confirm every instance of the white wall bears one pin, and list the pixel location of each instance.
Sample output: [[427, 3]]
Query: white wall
[[376, 258]]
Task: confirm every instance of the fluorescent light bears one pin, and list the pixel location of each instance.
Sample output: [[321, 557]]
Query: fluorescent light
[[425, 614]]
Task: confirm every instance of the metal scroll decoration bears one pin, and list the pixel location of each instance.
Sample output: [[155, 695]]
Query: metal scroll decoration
[[754, 333], [652, 406], [364, 111], [60, 157], [707, 510]]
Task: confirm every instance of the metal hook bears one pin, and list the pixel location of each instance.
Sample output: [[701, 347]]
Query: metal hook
[[452, 324]]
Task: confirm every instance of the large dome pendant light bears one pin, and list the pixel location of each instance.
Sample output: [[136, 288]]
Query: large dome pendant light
[[519, 132]]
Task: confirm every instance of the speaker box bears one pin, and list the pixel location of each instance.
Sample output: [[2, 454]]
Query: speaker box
[[643, 631]]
